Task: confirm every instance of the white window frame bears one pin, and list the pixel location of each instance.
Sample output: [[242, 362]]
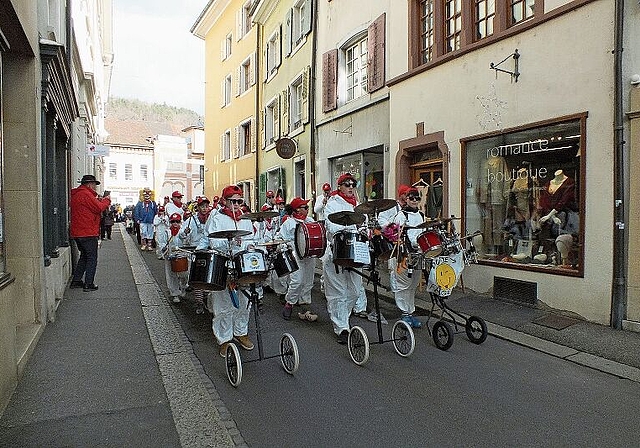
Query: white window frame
[[228, 87], [113, 170], [244, 20], [244, 148], [298, 24], [356, 75], [128, 171], [144, 172], [274, 54], [225, 150], [245, 75], [296, 103], [271, 123]]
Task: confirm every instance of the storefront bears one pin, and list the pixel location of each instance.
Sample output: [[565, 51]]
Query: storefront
[[523, 196], [367, 166]]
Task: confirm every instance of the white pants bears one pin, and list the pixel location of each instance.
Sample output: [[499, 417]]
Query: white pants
[[403, 287], [301, 281], [361, 303], [278, 284], [342, 290], [229, 321], [176, 281]]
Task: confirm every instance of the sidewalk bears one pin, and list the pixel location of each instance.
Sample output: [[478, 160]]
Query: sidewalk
[[115, 369]]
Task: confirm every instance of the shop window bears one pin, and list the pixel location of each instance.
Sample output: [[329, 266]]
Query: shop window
[[523, 196]]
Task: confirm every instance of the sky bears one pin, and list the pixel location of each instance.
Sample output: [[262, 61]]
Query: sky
[[156, 58]]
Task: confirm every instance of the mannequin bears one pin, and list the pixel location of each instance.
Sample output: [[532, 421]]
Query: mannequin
[[557, 196], [564, 243], [493, 194]]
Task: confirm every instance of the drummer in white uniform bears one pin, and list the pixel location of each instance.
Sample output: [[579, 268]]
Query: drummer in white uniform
[[342, 287], [300, 281], [231, 306]]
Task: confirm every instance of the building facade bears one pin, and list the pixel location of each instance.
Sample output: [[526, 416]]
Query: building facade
[[55, 66], [230, 96]]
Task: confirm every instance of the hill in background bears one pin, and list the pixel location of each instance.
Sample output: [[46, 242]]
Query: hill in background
[[134, 122]]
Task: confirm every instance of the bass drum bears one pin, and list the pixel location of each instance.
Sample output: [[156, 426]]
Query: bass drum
[[284, 262], [381, 247], [209, 271], [351, 249], [310, 239], [250, 267]]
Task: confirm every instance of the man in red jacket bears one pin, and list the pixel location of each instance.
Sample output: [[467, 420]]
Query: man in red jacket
[[86, 208]]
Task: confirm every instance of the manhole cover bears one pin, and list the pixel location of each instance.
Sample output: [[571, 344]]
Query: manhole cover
[[556, 322]]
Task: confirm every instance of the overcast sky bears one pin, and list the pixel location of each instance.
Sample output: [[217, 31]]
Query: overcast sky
[[156, 58]]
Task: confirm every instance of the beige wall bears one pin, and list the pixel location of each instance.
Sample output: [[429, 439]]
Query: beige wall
[[633, 275], [556, 80]]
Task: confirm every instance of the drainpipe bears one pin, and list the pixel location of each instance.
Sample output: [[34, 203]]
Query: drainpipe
[[619, 286], [256, 185], [312, 103]]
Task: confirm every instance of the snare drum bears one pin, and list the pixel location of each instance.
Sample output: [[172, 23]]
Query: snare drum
[[351, 249], [430, 243], [310, 239], [250, 267], [180, 264], [284, 262], [208, 271]]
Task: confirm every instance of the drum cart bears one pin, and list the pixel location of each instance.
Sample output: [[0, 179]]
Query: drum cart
[[442, 331], [289, 356], [401, 333]]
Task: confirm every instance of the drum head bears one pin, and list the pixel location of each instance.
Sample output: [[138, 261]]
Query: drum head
[[300, 241]]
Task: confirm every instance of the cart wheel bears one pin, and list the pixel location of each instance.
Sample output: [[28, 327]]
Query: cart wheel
[[289, 353], [234, 365], [476, 329], [442, 335], [403, 340], [358, 344]]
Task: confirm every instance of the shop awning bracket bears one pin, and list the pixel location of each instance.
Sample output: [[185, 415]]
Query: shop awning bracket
[[515, 73]]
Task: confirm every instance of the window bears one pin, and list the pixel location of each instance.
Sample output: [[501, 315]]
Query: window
[[113, 171], [247, 189], [225, 146], [246, 75], [244, 20], [521, 10], [128, 172], [246, 140], [143, 173], [226, 46], [297, 103], [300, 179], [271, 122], [524, 197], [226, 91], [356, 69], [299, 21], [485, 11], [440, 27], [273, 54]]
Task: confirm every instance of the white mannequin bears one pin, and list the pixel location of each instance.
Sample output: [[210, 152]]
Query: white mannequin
[[564, 244], [554, 184]]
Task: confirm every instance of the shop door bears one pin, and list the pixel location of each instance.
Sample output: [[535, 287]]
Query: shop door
[[429, 180]]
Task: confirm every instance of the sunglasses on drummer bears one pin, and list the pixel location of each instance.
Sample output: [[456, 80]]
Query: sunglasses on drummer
[[236, 201], [306, 207], [413, 198], [174, 222], [349, 184]]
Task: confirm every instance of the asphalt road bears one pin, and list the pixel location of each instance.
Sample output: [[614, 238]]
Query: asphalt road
[[494, 394]]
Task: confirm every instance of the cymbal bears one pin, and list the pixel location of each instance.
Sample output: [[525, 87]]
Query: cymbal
[[375, 205], [271, 243], [346, 218], [259, 216], [188, 247], [230, 234]]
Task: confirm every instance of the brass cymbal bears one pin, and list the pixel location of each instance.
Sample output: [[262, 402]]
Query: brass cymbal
[[230, 234], [259, 216], [271, 243], [346, 218], [375, 206]]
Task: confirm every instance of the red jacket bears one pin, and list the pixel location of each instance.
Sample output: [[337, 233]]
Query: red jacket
[[86, 209]]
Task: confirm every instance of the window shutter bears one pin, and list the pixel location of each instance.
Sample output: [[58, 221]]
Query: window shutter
[[265, 58], [305, 94], [288, 36], [222, 93], [276, 119], [222, 147], [329, 80], [282, 180], [235, 143], [263, 128], [239, 25], [376, 54], [278, 60], [252, 69], [284, 117], [236, 80], [223, 49], [262, 189], [307, 17], [254, 135]]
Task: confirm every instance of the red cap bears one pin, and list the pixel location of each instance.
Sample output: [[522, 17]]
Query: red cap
[[230, 191], [175, 217], [412, 190], [216, 199], [279, 200], [298, 202], [270, 194], [202, 199], [161, 208], [345, 177], [403, 189], [176, 194], [326, 187], [266, 208]]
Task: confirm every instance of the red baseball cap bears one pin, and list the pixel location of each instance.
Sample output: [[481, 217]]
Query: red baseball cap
[[345, 177], [279, 200], [403, 189], [230, 191], [298, 202], [175, 217], [270, 194], [176, 194], [326, 187], [202, 199]]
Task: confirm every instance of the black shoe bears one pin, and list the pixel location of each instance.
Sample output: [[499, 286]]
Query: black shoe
[[76, 284], [343, 337], [90, 288]]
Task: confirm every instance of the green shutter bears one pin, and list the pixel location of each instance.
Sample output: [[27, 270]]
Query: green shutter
[[283, 182], [262, 193]]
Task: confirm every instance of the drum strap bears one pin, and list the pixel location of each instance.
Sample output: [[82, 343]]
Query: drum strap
[[233, 294]]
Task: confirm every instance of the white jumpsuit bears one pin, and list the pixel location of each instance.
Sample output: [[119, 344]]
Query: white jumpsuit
[[341, 288], [300, 281]]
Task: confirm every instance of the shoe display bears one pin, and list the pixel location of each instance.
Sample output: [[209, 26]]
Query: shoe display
[[223, 349], [308, 315], [343, 337], [244, 342], [90, 287], [76, 284], [175, 299], [287, 310]]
